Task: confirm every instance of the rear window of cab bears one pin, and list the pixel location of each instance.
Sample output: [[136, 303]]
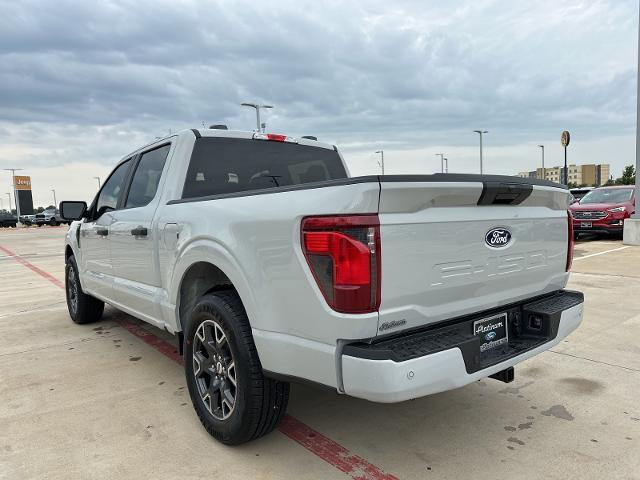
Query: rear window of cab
[[229, 165]]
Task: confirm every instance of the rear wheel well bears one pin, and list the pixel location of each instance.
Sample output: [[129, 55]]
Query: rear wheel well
[[201, 278], [67, 253]]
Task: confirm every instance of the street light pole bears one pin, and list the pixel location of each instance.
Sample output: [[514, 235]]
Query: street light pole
[[15, 192], [446, 165], [441, 161], [257, 107], [544, 177], [98, 178], [637, 214], [631, 233], [55, 203], [480, 132], [9, 195], [381, 152]]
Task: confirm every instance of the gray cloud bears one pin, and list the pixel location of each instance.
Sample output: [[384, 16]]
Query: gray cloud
[[408, 73]]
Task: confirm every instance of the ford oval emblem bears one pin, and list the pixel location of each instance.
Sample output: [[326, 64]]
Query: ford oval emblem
[[490, 336], [498, 237]]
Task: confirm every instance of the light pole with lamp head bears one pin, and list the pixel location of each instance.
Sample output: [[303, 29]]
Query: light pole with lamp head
[[15, 192], [544, 176], [381, 152], [441, 161], [98, 178], [480, 132], [55, 203], [259, 125]]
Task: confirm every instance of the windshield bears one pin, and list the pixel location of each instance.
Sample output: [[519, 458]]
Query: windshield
[[607, 195]]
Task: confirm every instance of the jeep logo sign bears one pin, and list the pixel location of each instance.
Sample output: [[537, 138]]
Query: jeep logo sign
[[498, 237]]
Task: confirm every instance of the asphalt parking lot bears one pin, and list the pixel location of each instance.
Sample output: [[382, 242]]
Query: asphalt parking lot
[[108, 400]]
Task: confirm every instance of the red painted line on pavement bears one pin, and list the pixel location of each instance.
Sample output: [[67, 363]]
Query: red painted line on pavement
[[331, 452], [32, 267]]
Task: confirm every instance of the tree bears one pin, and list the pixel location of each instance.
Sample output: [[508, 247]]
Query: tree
[[628, 176]]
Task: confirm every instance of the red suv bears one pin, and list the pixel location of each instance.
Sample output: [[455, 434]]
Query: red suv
[[603, 210]]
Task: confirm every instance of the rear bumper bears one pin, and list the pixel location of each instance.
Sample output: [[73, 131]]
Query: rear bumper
[[390, 371]]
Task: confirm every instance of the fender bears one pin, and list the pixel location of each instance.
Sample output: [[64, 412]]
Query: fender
[[205, 249]]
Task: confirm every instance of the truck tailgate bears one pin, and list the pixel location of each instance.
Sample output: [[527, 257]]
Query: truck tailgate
[[438, 262]]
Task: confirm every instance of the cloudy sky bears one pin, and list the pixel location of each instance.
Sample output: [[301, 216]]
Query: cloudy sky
[[83, 83]]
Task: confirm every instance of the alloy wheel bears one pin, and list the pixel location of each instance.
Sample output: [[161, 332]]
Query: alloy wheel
[[214, 370], [72, 289]]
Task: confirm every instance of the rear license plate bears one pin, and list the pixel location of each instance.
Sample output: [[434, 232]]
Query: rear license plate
[[492, 331], [586, 224]]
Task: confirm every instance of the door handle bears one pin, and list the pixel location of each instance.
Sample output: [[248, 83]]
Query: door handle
[[139, 232], [103, 232]]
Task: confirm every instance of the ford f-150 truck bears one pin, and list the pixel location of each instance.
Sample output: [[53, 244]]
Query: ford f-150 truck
[[271, 264]]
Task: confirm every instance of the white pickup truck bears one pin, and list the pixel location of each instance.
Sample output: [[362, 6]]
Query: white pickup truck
[[271, 264]]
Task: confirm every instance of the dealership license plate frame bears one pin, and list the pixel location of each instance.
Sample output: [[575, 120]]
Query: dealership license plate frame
[[487, 345]]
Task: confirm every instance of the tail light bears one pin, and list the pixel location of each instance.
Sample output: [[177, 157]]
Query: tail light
[[343, 253], [571, 241]]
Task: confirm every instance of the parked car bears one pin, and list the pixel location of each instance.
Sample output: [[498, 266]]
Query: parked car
[[28, 219], [49, 217], [8, 220], [603, 210], [271, 264]]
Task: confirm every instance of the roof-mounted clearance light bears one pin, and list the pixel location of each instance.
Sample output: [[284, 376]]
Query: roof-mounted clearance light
[[274, 137]]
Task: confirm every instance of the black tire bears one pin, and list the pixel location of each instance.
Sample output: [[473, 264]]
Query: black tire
[[259, 403], [82, 308], [53, 222]]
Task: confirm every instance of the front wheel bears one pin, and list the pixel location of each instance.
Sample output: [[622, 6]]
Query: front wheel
[[235, 402], [53, 222], [82, 308]]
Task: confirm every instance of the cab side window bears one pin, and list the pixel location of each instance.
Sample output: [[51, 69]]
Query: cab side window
[[146, 177], [108, 198]]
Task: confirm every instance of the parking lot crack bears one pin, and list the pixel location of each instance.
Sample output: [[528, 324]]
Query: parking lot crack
[[637, 370], [35, 309]]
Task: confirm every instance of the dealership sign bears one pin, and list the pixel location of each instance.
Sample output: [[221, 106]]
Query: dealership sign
[[23, 183]]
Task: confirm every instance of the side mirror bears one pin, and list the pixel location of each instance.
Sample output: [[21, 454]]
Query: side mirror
[[73, 210]]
